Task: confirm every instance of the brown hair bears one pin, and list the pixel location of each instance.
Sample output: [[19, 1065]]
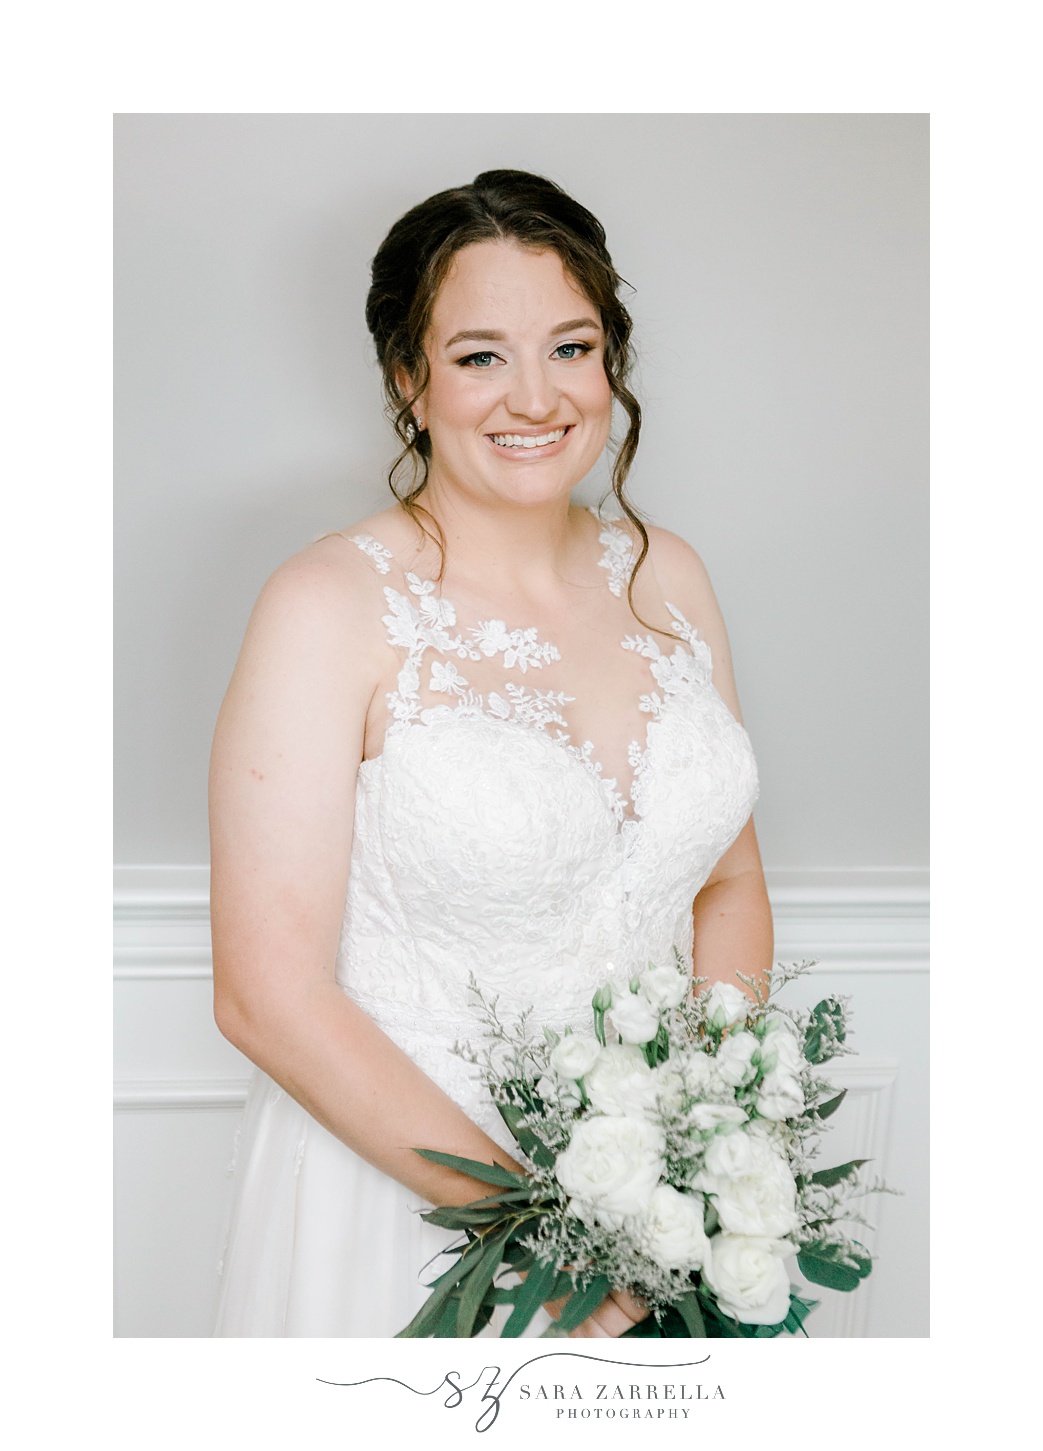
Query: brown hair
[[412, 263]]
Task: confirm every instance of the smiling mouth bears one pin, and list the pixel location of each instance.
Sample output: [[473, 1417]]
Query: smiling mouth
[[528, 441]]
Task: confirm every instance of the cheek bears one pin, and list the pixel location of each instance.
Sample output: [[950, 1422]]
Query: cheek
[[596, 393], [459, 402]]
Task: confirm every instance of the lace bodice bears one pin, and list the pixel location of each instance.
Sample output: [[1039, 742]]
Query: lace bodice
[[488, 841]]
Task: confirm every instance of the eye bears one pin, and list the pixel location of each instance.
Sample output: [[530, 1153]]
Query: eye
[[478, 360], [569, 351]]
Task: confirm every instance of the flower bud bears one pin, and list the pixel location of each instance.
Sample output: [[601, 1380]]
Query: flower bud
[[602, 1000]]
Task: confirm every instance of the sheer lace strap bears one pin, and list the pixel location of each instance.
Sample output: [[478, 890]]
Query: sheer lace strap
[[379, 555], [618, 553]]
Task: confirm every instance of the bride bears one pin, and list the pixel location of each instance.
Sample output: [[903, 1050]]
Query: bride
[[483, 732]]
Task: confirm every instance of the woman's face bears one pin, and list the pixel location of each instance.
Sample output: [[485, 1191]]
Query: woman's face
[[518, 406]]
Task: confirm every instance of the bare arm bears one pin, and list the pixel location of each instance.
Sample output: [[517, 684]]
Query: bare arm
[[732, 917], [731, 914], [286, 752]]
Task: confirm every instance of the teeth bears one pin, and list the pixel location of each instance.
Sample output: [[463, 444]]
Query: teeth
[[517, 440]]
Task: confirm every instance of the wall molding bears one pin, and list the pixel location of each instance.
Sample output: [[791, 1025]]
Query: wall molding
[[150, 1094], [867, 1113], [862, 920]]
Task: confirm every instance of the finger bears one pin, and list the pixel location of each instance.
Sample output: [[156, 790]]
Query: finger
[[630, 1304], [608, 1320]]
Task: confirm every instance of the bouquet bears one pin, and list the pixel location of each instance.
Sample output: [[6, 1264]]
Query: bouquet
[[673, 1151]]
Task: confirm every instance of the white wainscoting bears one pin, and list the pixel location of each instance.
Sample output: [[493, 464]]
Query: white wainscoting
[[179, 1086]]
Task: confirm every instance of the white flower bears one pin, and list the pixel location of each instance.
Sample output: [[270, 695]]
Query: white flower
[[446, 679], [670, 1087], [725, 1004], [760, 1200], [748, 1277], [780, 1096], [634, 1018], [698, 1072], [436, 611], [491, 636], [611, 1167], [671, 1230], [767, 1129], [734, 1060], [575, 1055], [665, 987], [553, 1090], [729, 1156], [780, 1048], [712, 1115], [621, 1082]]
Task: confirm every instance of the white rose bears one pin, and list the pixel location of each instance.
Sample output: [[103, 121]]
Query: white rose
[[621, 1082], [760, 1201], [766, 1128], [780, 1095], [729, 1156], [780, 1048], [712, 1115], [665, 987], [698, 1072], [734, 1060], [671, 1230], [670, 1087], [611, 1167], [552, 1090], [573, 1057], [748, 1277], [634, 1018], [725, 1004]]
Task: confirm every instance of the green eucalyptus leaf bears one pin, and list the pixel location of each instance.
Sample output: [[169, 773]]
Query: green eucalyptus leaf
[[428, 1314], [829, 1177], [825, 1110], [530, 1142], [443, 1324], [478, 1282], [799, 1310], [537, 1288], [486, 1173], [822, 1264], [580, 1304], [687, 1306], [463, 1216]]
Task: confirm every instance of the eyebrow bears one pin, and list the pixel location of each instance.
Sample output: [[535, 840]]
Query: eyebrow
[[486, 335]]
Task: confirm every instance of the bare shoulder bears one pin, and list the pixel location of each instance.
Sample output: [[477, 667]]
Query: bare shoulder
[[309, 663], [679, 577], [329, 592], [679, 568], [390, 533], [682, 580]]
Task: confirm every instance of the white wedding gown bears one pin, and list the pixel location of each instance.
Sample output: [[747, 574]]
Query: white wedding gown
[[485, 842]]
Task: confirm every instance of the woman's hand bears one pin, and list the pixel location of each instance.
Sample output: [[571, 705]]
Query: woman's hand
[[618, 1312]]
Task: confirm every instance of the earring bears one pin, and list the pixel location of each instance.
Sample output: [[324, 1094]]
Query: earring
[[419, 423]]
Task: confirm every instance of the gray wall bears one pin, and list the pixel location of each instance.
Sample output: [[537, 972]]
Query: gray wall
[[781, 315]]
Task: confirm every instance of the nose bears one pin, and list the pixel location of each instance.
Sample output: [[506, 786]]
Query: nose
[[532, 393]]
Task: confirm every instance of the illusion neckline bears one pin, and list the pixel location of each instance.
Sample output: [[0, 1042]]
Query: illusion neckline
[[425, 622]]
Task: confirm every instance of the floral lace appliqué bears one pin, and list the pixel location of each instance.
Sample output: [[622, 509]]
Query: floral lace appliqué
[[618, 556], [518, 647], [380, 556]]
